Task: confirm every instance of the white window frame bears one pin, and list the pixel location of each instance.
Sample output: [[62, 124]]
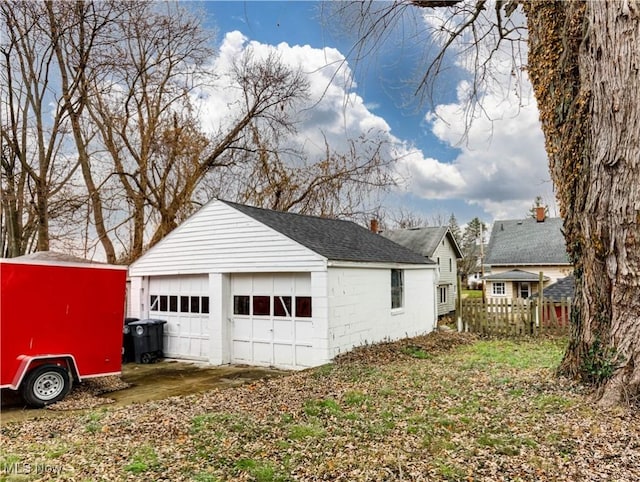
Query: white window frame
[[397, 291], [495, 291], [522, 285], [442, 290]]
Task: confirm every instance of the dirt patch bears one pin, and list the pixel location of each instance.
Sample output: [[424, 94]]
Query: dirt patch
[[140, 383]]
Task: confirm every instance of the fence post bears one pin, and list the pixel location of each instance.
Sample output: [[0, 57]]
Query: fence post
[[541, 298], [459, 305]]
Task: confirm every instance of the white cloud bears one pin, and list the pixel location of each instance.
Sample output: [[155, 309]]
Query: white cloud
[[333, 109], [502, 165]]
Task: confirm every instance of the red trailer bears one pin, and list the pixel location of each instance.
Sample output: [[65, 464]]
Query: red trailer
[[60, 321]]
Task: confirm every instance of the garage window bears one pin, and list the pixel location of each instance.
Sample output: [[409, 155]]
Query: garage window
[[182, 304], [303, 306], [241, 305], [173, 304], [163, 303], [282, 306], [261, 305]]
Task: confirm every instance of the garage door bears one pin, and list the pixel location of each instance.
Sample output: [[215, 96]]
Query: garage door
[[183, 301], [272, 320]]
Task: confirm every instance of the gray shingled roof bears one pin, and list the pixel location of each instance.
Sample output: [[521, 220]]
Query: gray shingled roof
[[422, 240], [334, 239], [515, 275], [563, 288], [525, 241]]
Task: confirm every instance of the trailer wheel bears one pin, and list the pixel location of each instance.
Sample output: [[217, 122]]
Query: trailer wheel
[[45, 385]]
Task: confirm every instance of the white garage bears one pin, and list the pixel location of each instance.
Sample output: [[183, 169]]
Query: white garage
[[243, 285]]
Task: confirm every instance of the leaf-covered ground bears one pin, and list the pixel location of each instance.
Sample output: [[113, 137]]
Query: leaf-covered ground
[[441, 407]]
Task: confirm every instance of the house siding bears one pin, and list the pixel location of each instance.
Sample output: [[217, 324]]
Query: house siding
[[553, 272], [448, 277], [220, 239], [359, 307]]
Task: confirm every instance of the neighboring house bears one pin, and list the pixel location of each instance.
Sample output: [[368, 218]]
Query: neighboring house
[[238, 284], [439, 245], [519, 250]]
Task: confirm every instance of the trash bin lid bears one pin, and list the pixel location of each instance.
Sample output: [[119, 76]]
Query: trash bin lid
[[147, 322]]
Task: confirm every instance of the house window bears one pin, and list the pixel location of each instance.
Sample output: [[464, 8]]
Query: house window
[[442, 294], [397, 288], [498, 288], [450, 266], [525, 290]]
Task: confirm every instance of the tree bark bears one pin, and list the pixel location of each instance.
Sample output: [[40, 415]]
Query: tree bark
[[584, 63]]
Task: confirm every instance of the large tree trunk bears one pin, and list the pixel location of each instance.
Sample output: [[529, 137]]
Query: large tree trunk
[[584, 64]]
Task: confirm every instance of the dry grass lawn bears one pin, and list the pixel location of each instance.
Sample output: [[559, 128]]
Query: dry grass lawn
[[441, 407]]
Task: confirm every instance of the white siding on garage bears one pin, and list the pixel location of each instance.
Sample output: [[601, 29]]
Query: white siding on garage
[[219, 238], [360, 306]]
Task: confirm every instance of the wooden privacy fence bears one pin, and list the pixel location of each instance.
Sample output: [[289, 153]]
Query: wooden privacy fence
[[515, 317]]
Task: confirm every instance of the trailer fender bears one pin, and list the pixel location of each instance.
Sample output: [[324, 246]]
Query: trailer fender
[[28, 363]]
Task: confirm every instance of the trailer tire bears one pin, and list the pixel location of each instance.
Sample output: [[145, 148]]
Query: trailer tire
[[45, 385]]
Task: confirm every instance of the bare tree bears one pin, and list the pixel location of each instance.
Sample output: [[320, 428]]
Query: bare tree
[[339, 184], [35, 169], [582, 62]]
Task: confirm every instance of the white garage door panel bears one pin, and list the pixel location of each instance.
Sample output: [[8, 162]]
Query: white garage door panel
[[304, 356], [262, 352], [282, 329], [283, 354], [262, 330], [186, 334], [272, 340], [242, 351]]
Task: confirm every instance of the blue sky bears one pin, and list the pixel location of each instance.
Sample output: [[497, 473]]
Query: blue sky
[[495, 174]]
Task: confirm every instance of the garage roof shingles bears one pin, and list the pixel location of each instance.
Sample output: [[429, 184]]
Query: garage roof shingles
[[334, 239]]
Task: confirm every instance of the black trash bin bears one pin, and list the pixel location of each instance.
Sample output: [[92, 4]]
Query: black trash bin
[[128, 350], [147, 340]]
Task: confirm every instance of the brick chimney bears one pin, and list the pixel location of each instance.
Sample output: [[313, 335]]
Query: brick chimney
[[374, 226], [540, 215]]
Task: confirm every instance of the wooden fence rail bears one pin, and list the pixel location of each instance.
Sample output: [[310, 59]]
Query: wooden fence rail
[[515, 317]]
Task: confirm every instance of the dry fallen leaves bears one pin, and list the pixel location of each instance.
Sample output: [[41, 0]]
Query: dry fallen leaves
[[441, 407]]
